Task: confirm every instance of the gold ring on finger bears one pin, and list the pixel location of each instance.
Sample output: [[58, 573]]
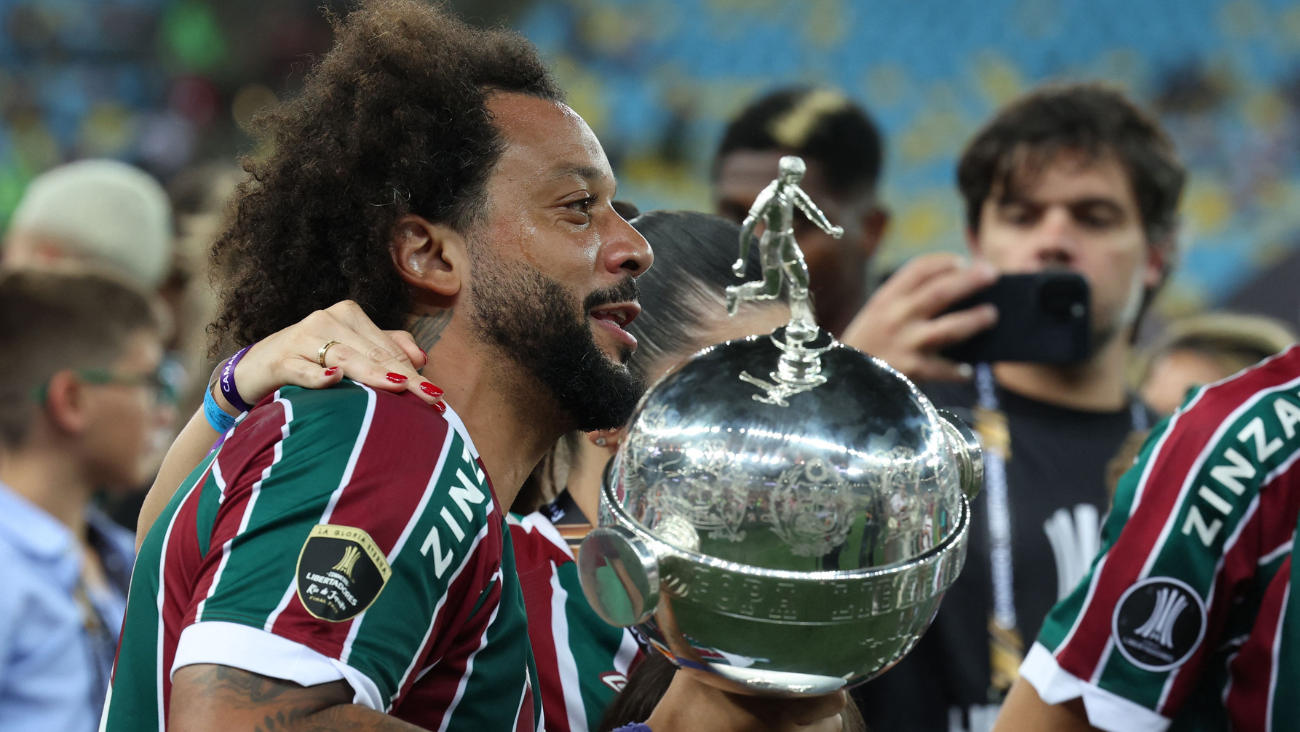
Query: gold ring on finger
[[320, 355]]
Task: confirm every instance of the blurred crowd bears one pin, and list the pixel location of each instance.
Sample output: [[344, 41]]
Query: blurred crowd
[[106, 296]]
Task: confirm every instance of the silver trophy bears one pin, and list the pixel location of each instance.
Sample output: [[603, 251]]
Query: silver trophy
[[785, 512]]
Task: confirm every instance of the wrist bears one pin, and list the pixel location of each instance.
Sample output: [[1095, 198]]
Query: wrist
[[222, 389], [220, 399], [214, 394], [231, 390]]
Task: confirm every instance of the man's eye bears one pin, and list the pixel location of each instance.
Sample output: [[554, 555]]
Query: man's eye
[[1096, 218], [582, 205], [1018, 214]]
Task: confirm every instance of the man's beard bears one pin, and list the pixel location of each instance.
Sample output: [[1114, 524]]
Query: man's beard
[[535, 321]]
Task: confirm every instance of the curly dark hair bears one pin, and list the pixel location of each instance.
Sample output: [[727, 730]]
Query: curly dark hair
[[392, 121]]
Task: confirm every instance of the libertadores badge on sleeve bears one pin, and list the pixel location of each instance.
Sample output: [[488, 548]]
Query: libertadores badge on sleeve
[[340, 572], [1158, 623]]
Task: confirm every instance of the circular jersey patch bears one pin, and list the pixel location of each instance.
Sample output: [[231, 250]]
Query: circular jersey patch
[[340, 572], [1158, 623]]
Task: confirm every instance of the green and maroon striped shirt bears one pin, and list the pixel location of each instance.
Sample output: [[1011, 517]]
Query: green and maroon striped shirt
[[1185, 621], [340, 534], [582, 661]]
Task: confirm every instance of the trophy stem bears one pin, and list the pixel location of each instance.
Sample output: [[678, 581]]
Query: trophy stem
[[799, 367], [800, 363], [803, 327]]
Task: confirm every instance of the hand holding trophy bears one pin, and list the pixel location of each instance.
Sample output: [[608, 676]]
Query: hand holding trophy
[[789, 535]]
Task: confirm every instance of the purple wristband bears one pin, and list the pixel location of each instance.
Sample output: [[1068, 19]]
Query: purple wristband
[[227, 382]]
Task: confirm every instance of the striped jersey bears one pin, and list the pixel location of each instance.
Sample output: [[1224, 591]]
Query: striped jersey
[[339, 534], [582, 662], [1184, 620]]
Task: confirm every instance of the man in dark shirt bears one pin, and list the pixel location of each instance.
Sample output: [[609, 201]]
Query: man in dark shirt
[[1073, 178]]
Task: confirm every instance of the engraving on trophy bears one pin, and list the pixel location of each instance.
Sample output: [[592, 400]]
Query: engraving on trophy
[[782, 608], [676, 586], [650, 425], [812, 508], [751, 596], [679, 532], [700, 489]]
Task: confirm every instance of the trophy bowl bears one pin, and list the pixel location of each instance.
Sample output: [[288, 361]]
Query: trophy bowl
[[782, 531]]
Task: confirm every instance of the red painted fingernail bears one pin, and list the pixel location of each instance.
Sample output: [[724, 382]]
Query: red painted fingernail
[[442, 408], [396, 378], [331, 370], [430, 389], [426, 353]]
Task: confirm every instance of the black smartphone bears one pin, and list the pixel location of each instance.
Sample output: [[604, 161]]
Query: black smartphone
[[1043, 318]]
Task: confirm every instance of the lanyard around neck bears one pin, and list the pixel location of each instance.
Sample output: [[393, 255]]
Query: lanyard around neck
[[994, 429]]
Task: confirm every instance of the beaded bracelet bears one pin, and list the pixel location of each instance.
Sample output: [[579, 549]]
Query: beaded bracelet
[[227, 381]]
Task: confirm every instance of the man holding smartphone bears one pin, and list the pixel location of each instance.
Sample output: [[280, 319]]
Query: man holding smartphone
[[1068, 178]]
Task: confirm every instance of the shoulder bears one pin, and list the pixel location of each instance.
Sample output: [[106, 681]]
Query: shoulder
[[537, 543], [1210, 457], [314, 421], [1224, 399], [349, 401], [1251, 418]]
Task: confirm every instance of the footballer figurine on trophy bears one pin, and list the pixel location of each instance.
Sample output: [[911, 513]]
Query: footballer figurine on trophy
[[778, 251], [799, 368]]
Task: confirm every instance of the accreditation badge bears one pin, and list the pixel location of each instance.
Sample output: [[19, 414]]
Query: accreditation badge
[[340, 572]]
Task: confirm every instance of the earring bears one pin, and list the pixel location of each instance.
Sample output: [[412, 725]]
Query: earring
[[600, 441]]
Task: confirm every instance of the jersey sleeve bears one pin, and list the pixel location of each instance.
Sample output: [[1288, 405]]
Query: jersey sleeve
[[1183, 535], [354, 535], [582, 661]]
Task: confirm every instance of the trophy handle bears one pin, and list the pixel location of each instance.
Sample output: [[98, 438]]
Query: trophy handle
[[966, 448], [619, 575]]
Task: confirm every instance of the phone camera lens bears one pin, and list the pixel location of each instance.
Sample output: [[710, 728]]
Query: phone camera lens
[[1063, 298]]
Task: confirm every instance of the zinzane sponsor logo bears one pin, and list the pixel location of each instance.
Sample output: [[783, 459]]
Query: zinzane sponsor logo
[[1257, 438], [1158, 623], [470, 491]]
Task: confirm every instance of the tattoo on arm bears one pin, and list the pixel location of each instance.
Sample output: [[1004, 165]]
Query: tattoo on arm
[[244, 688], [427, 329], [211, 697]]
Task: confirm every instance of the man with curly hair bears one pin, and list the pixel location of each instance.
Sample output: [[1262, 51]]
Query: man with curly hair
[[341, 560]]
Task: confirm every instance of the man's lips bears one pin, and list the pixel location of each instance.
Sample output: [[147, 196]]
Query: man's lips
[[614, 318]]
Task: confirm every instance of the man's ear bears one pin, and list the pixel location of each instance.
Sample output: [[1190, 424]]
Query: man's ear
[[875, 222], [65, 403], [432, 257], [1159, 261], [973, 242]]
